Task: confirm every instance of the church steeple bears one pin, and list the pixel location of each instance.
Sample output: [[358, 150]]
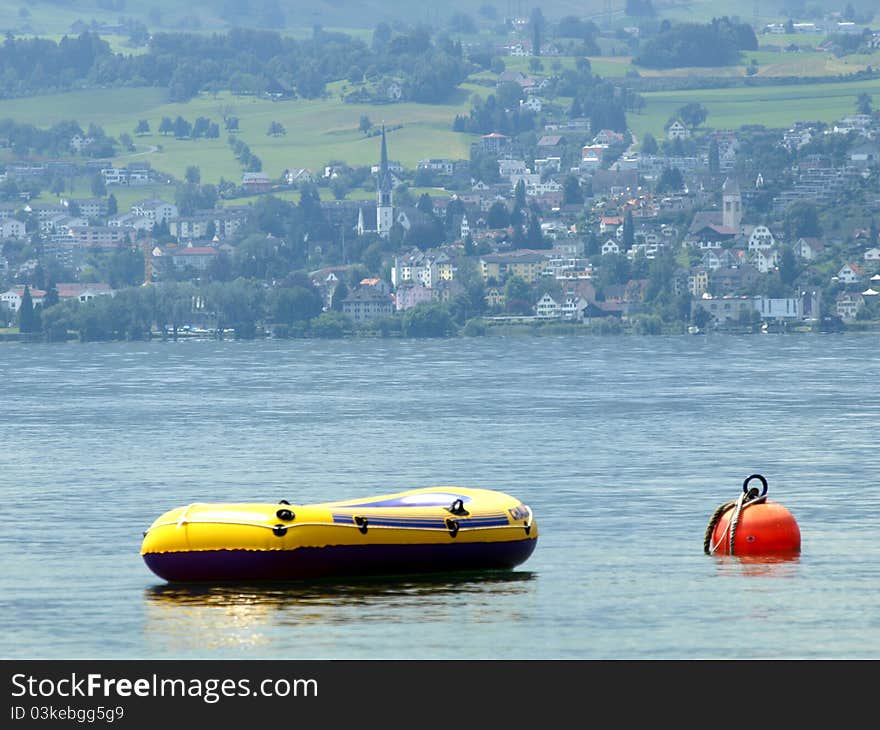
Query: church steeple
[[384, 207], [731, 200], [383, 159]]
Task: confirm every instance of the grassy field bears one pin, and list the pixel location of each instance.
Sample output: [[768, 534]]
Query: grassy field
[[51, 16], [772, 106], [318, 131], [326, 130]]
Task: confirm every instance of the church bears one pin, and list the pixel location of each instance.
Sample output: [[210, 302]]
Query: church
[[713, 227], [384, 197]]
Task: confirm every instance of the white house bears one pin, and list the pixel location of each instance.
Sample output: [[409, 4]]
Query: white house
[[850, 274], [547, 307], [507, 168], [155, 210], [872, 254], [677, 130], [12, 228], [808, 248], [131, 220], [848, 305], [610, 246], [296, 175], [12, 298], [761, 238], [765, 260]]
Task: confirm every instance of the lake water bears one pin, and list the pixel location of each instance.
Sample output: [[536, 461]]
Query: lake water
[[622, 446]]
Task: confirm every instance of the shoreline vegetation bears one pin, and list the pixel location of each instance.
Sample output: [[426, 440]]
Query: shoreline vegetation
[[477, 327]]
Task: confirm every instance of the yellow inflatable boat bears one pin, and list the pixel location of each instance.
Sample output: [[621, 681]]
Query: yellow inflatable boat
[[415, 531]]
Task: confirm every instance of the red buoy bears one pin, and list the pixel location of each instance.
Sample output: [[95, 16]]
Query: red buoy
[[752, 525]]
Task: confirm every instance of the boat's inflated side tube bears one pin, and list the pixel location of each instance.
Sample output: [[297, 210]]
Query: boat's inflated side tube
[[421, 530]]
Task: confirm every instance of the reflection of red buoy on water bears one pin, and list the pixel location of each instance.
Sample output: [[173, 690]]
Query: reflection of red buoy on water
[[752, 525]]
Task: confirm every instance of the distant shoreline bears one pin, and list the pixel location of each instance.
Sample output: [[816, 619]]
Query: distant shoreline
[[551, 329]]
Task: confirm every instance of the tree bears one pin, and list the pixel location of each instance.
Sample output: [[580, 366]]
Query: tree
[[693, 114], [381, 37], [534, 235], [425, 204], [629, 233], [193, 175], [99, 188], [200, 127], [166, 126], [51, 298], [365, 124], [339, 186], [536, 26], [571, 191], [143, 127], [864, 103], [112, 205], [714, 158], [427, 320], [498, 215], [340, 292], [788, 266], [518, 295], [649, 144], [28, 319], [670, 180], [519, 195], [276, 129], [802, 220], [182, 128], [295, 304]]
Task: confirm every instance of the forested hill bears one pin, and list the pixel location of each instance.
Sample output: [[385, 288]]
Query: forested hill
[[242, 60]]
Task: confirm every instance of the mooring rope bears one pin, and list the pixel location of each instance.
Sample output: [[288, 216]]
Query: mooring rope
[[745, 499]]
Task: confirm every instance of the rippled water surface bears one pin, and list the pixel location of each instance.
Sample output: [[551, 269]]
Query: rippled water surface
[[622, 446]]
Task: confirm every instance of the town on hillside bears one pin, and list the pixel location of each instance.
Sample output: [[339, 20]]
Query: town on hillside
[[558, 216]]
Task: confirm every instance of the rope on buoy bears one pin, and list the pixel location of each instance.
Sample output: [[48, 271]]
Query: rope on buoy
[[747, 498]]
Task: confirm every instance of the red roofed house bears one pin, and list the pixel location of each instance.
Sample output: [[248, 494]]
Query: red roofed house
[[609, 224], [82, 292], [199, 257], [850, 274], [12, 298]]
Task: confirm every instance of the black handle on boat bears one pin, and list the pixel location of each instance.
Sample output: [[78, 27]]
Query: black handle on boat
[[457, 508], [285, 514], [361, 522], [279, 530], [452, 526], [759, 478]]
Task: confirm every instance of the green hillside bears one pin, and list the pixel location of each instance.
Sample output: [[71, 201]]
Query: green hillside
[[318, 131], [46, 17]]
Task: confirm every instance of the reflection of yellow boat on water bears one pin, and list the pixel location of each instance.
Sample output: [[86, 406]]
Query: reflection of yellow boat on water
[[432, 529]]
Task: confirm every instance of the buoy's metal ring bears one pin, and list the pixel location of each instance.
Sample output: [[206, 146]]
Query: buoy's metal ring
[[759, 478]]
